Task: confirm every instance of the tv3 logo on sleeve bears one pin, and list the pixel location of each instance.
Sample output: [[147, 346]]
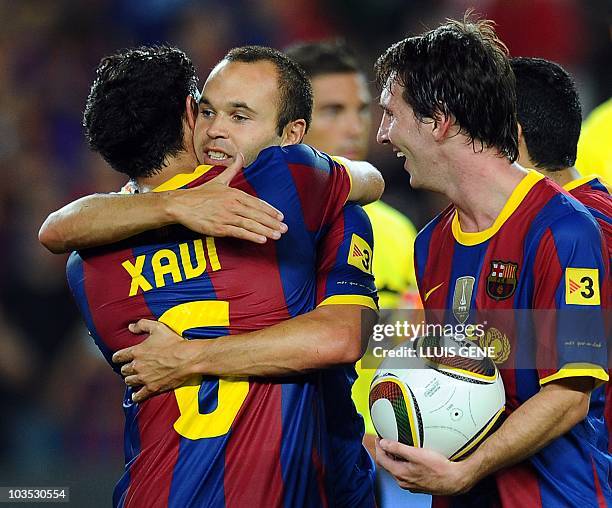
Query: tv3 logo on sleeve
[[360, 254], [582, 286]]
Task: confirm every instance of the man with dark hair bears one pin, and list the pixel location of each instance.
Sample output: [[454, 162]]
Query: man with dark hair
[[117, 132], [294, 89], [341, 124], [550, 116], [234, 436], [141, 153], [511, 240]]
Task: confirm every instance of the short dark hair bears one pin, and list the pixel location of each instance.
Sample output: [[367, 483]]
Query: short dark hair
[[549, 111], [461, 69], [134, 112], [293, 83], [324, 57]]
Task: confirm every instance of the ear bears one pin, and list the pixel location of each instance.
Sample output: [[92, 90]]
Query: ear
[[442, 126], [191, 111], [524, 158], [294, 132]]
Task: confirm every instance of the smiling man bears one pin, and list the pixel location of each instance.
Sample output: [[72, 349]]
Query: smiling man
[[449, 107]]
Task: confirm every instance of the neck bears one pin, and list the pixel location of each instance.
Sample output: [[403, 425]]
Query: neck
[[480, 186], [563, 176], [183, 162]]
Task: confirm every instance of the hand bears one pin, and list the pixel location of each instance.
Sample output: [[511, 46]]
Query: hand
[[158, 364], [422, 470], [216, 209]]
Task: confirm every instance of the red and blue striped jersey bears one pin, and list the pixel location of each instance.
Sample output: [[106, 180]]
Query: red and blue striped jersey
[[545, 252], [594, 194], [234, 442]]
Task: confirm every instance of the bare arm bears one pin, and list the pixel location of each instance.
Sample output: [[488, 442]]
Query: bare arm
[[101, 219], [367, 184], [552, 412], [327, 336], [212, 209]]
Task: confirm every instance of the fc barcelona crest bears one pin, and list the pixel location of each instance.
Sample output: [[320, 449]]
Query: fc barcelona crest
[[501, 282]]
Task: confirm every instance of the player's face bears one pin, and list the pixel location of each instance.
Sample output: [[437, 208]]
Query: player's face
[[238, 112], [341, 115], [401, 129]]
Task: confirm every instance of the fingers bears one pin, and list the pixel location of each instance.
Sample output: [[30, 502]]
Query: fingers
[[256, 227], [128, 369], [231, 171], [250, 224], [141, 395], [142, 326], [397, 449], [243, 234], [387, 462], [263, 209], [123, 355]]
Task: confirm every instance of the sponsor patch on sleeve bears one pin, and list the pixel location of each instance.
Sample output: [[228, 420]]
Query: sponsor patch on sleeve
[[360, 254], [582, 286]]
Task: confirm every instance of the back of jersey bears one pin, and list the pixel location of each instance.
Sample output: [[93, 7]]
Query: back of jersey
[[220, 442]]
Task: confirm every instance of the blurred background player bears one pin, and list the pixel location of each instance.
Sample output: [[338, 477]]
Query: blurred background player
[[341, 125], [549, 116], [449, 107]]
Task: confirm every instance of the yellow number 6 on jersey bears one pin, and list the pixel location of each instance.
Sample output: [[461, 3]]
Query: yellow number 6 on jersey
[[231, 392]]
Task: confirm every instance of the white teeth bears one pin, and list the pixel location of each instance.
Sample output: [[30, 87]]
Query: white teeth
[[218, 156], [400, 154]]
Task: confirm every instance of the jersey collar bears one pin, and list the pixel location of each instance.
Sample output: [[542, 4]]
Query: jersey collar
[[578, 182], [516, 198], [182, 179]]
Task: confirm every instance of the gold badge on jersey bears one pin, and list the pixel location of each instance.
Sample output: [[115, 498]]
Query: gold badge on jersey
[[582, 286], [462, 296], [500, 343], [360, 254]]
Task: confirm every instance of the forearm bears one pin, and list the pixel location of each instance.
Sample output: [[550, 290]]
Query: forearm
[[367, 184], [102, 219], [544, 417], [320, 339]]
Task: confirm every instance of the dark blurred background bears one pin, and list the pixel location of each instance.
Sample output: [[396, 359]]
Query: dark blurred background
[[61, 418]]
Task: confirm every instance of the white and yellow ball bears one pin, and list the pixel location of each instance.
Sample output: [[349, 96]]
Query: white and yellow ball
[[437, 398]]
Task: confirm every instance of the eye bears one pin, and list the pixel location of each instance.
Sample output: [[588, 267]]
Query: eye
[[333, 110], [239, 118], [207, 113]]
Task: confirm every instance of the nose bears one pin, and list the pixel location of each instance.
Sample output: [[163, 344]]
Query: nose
[[382, 135], [356, 125], [217, 128]]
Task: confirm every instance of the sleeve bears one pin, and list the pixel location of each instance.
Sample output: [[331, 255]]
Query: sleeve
[[571, 296], [323, 185], [344, 264]]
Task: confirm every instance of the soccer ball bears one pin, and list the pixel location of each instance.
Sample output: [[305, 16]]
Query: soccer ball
[[436, 393]]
